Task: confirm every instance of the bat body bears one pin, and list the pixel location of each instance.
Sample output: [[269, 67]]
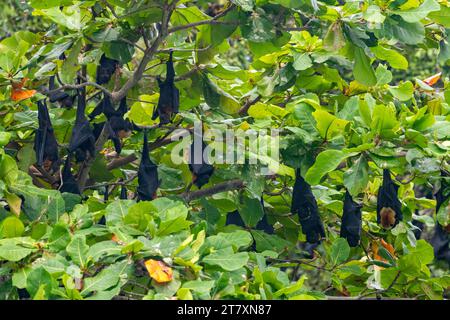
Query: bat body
[[169, 96], [236, 219], [119, 127], [200, 167], [82, 141], [123, 193], [106, 69], [45, 144], [305, 205], [351, 221], [440, 242], [62, 98], [148, 182], [68, 182], [444, 191], [389, 208]]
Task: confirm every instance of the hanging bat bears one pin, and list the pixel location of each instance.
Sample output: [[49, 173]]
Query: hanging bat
[[305, 205], [389, 208], [45, 144], [148, 182], [119, 128], [444, 192], [123, 193], [351, 221], [200, 167], [169, 95], [82, 141], [440, 242], [68, 182], [106, 69], [62, 98]]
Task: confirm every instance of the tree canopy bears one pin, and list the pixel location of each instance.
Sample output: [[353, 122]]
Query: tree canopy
[[93, 95]]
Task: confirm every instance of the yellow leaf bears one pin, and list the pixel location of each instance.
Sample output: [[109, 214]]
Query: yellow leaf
[[159, 271]]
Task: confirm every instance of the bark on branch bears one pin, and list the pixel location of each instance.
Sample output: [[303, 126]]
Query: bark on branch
[[218, 188]]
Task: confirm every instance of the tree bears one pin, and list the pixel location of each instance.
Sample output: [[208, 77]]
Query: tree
[[334, 78]]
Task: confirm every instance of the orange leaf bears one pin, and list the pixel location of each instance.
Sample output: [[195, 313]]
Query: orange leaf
[[159, 271], [433, 79], [20, 95], [386, 245]]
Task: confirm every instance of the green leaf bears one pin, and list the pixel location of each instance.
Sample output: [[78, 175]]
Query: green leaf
[[416, 14], [329, 125], [107, 278], [77, 249], [16, 249], [238, 239], [326, 161], [11, 227], [302, 61], [251, 211], [362, 69], [356, 177], [442, 16], [59, 237], [403, 92], [339, 252], [227, 259], [395, 59], [39, 280], [118, 50]]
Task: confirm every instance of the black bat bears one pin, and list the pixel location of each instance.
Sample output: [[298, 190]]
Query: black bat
[[351, 221], [169, 95], [389, 208], [440, 242], [305, 205], [123, 193], [443, 194], [148, 182], [82, 141], [200, 167], [236, 219], [64, 99], [106, 69], [118, 126], [68, 182], [45, 144]]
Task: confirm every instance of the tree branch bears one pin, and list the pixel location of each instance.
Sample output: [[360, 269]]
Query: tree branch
[[220, 187], [248, 104], [148, 54]]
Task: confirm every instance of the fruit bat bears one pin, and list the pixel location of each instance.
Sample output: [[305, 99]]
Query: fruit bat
[[305, 205], [64, 99], [148, 181], [102, 220], [82, 141], [351, 221], [123, 193], [440, 242], [201, 169], [389, 208], [443, 194], [106, 69], [68, 182], [169, 96], [118, 127], [45, 144]]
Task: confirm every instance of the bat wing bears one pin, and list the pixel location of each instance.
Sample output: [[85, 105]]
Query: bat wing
[[68, 183]]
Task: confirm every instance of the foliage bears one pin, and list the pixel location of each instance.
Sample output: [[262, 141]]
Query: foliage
[[337, 78]]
